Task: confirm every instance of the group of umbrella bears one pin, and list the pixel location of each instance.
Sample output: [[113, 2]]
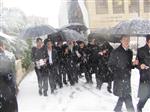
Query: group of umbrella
[[77, 31], [68, 32]]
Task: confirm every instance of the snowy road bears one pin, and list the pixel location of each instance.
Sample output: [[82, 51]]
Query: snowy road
[[79, 98]]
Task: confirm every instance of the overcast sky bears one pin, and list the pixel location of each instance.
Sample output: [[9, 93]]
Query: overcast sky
[[43, 8]]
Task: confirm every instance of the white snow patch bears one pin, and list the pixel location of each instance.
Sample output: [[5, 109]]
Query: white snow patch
[[79, 98]]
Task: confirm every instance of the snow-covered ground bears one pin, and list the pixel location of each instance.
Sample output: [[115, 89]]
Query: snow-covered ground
[[79, 98]]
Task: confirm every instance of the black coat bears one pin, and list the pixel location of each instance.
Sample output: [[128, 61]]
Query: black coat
[[8, 101], [59, 54], [143, 55], [38, 54], [83, 60], [92, 53], [67, 59], [120, 63], [104, 73], [54, 57]]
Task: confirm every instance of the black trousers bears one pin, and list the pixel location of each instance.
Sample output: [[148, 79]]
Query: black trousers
[[59, 76], [52, 71], [62, 74], [68, 70], [128, 102], [84, 68], [75, 73], [142, 102], [42, 76]]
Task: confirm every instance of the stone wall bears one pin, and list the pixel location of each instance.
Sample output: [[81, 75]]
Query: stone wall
[[20, 72]]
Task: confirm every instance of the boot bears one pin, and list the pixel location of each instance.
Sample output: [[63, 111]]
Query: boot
[[40, 92], [45, 93]]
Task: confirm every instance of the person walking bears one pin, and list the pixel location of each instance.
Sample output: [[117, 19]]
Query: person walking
[[39, 57], [120, 63], [143, 56]]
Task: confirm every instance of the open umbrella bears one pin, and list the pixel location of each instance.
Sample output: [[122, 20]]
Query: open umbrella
[[76, 26], [55, 37], [72, 35], [37, 31], [101, 35], [135, 27], [65, 35]]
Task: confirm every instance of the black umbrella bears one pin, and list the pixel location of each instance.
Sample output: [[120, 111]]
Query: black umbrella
[[65, 35], [76, 26], [72, 35], [136, 27], [55, 37], [37, 31], [101, 35]]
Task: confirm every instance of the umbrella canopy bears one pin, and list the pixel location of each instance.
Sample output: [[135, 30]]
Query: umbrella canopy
[[136, 27], [101, 35], [76, 26], [65, 35], [72, 35], [37, 31], [55, 37]]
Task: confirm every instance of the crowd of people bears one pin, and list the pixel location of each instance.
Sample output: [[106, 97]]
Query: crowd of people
[[64, 63]]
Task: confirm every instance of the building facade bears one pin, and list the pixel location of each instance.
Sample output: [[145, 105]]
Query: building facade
[[108, 13]]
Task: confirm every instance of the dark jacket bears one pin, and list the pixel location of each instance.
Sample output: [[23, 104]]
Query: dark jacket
[[67, 59], [83, 60], [143, 55], [92, 53], [103, 71], [38, 54], [54, 57], [59, 54], [8, 99], [120, 63]]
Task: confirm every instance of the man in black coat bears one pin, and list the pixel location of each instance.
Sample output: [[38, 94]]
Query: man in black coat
[[68, 64], [120, 63], [58, 48], [92, 62], [83, 58], [73, 48], [143, 56], [52, 63], [8, 101], [104, 74], [39, 57]]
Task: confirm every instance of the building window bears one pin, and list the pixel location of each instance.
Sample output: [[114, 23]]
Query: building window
[[146, 5], [118, 6], [133, 6], [101, 6]]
